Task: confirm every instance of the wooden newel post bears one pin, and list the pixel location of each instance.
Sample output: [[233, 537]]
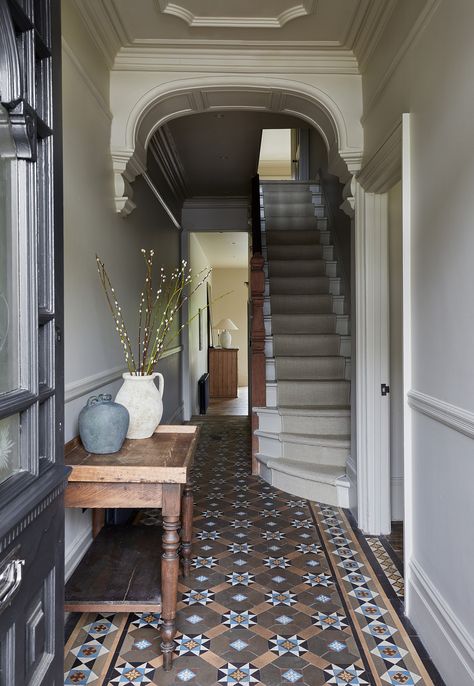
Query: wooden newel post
[[257, 350]]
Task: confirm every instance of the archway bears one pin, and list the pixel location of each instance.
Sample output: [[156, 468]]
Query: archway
[[329, 110]]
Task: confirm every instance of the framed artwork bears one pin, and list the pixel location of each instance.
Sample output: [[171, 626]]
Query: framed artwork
[[210, 320], [200, 325]]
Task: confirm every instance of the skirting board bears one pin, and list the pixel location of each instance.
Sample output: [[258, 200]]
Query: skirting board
[[76, 550], [446, 639]]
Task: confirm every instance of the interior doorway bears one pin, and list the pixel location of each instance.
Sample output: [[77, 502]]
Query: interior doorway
[[218, 335]]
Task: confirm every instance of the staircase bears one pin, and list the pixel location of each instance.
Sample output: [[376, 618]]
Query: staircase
[[304, 430]]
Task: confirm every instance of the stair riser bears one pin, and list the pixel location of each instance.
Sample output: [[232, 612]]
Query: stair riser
[[269, 422], [311, 305], [272, 197], [315, 368], [316, 426], [316, 267], [290, 223], [322, 325], [298, 252], [323, 347], [302, 488], [313, 393], [299, 347], [294, 286], [280, 268], [312, 454], [309, 237], [271, 210], [290, 187], [334, 372]]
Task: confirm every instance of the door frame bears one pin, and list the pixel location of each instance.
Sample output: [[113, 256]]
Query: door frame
[[366, 202]]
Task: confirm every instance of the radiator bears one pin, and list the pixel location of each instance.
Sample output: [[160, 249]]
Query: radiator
[[203, 390]]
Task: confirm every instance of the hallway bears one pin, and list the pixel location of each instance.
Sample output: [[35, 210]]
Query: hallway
[[280, 593]]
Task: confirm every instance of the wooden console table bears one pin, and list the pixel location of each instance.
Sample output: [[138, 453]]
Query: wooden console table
[[121, 570]]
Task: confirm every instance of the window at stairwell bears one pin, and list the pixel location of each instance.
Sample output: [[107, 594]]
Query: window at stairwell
[[275, 161]]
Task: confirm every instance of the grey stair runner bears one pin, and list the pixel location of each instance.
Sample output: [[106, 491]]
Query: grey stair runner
[[313, 395]]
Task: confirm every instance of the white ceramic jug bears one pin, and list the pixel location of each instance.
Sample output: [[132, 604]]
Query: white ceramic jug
[[144, 402]]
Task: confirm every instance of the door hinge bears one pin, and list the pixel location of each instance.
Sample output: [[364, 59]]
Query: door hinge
[[58, 333], [385, 389]]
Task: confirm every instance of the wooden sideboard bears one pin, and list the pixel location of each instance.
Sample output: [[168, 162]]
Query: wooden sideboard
[[223, 372]]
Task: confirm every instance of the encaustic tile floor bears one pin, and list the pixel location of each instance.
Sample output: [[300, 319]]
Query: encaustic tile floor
[[281, 592]]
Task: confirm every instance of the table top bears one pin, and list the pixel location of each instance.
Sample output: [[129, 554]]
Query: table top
[[164, 458]]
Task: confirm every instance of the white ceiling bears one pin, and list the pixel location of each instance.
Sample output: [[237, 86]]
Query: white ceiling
[[219, 151], [225, 249]]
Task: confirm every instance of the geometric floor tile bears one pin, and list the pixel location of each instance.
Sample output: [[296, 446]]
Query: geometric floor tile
[[280, 592], [133, 674], [283, 645], [238, 674], [350, 675]]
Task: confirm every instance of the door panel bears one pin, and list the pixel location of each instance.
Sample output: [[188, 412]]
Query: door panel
[[32, 474]]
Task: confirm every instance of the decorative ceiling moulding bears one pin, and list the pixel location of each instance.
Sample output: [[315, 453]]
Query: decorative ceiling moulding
[[367, 29], [137, 123], [105, 26], [247, 59], [410, 41], [240, 13]]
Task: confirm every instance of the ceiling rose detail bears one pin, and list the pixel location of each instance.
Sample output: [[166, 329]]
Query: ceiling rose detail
[[264, 14]]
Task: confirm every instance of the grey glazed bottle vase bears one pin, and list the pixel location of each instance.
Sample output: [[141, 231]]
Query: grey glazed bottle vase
[[103, 425]]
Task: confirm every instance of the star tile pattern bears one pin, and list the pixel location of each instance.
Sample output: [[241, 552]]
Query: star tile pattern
[[387, 565], [275, 588]]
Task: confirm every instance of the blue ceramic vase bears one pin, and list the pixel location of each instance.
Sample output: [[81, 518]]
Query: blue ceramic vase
[[103, 425]]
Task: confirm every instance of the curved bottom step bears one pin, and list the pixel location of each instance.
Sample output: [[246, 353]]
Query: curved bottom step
[[321, 483]]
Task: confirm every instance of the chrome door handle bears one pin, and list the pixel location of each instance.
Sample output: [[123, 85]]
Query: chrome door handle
[[10, 580]]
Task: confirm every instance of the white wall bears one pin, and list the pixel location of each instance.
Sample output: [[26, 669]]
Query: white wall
[[431, 78], [197, 358], [93, 359], [396, 350], [233, 306]]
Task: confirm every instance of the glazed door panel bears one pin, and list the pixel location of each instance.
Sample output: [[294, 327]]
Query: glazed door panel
[[32, 474]]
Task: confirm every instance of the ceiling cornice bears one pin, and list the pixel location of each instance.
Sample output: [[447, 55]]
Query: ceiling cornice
[[228, 58], [369, 29], [177, 9], [104, 25]]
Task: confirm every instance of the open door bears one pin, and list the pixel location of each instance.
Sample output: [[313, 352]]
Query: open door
[[32, 477]]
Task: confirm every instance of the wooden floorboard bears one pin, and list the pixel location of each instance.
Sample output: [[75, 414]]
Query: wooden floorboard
[[232, 406]]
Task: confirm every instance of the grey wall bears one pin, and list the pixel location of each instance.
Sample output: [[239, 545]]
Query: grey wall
[[431, 79], [93, 358]]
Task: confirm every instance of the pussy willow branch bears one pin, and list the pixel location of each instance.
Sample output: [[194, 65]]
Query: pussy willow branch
[[157, 311]]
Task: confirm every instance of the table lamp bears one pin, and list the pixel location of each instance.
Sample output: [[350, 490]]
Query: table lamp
[[225, 326]]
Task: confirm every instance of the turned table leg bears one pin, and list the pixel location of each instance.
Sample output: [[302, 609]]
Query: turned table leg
[[187, 527], [169, 570]]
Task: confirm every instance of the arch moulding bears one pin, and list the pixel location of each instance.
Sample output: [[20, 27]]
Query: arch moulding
[[136, 122]]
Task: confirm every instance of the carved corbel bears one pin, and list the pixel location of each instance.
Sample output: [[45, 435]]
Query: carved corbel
[[348, 194], [126, 169]]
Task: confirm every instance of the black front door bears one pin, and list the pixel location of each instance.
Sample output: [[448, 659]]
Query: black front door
[[32, 476]]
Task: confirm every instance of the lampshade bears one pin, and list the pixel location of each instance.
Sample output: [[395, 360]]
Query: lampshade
[[227, 325]]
